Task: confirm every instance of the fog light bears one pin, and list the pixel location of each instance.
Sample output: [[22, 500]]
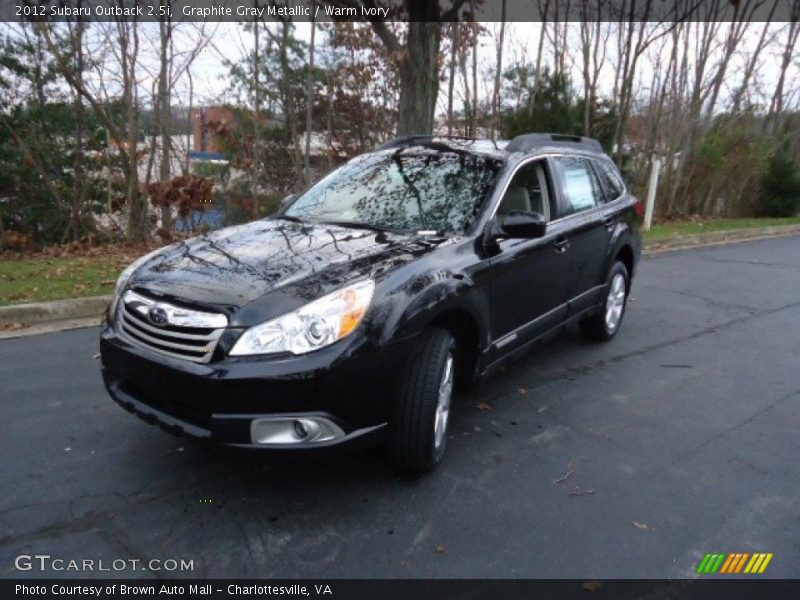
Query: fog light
[[300, 430], [306, 429], [294, 430]]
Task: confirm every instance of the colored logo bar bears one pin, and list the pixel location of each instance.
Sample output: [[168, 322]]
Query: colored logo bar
[[737, 562]]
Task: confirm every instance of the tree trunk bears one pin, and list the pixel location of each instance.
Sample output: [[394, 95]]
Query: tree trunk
[[164, 114], [454, 42], [499, 70], [309, 106], [137, 203], [255, 155], [473, 126], [462, 63], [419, 78], [587, 83], [79, 187], [289, 104], [776, 105]]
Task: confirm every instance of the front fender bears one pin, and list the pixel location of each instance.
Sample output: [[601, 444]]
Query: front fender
[[424, 297]]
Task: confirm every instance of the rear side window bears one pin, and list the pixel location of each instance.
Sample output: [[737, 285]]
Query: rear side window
[[581, 190], [609, 179]]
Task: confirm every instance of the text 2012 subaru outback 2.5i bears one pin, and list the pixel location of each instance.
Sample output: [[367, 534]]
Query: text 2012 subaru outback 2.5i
[[353, 314]]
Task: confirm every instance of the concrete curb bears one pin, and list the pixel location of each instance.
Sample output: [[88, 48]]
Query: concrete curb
[[39, 313], [49, 327], [45, 317], [719, 237]]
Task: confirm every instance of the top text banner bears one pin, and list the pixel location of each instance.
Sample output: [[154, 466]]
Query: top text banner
[[399, 10]]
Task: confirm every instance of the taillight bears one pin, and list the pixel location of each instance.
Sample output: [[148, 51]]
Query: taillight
[[638, 208]]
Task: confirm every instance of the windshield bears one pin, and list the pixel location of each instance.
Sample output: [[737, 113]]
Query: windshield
[[421, 189]]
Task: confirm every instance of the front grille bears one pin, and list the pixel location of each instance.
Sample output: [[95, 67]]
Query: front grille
[[178, 332]]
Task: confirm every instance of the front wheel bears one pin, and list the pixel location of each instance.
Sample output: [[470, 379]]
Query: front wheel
[[418, 431], [605, 324]]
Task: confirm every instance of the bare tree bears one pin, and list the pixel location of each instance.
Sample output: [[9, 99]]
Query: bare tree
[[789, 50], [164, 109], [594, 36], [79, 188], [417, 57], [453, 32], [120, 41], [309, 105], [752, 61], [498, 73]]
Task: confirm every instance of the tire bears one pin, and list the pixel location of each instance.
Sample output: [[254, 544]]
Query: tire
[[603, 325], [418, 430]]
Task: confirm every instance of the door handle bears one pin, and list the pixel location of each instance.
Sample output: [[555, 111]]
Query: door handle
[[610, 223], [561, 245]]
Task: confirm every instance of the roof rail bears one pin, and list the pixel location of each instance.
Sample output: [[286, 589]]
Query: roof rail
[[529, 141], [417, 140], [406, 140]]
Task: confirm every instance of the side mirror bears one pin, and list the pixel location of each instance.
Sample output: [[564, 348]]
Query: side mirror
[[285, 203], [287, 200], [526, 225]]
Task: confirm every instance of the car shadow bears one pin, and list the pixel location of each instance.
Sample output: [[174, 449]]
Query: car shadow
[[273, 487]]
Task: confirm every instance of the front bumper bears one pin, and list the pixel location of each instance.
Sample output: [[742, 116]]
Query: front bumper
[[350, 384]]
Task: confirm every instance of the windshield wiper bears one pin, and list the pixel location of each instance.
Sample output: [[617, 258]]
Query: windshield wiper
[[360, 225], [291, 218]]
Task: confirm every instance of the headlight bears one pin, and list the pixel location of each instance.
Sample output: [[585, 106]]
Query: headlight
[[313, 326]]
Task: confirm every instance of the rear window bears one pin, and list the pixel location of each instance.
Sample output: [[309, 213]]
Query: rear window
[[609, 179], [579, 184]]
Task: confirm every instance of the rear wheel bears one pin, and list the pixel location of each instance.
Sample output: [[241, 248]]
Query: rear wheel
[[604, 324], [418, 431]]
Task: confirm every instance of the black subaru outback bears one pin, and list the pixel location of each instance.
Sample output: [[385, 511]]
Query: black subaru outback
[[353, 314]]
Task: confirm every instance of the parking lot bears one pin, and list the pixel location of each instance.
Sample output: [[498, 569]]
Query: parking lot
[[627, 459]]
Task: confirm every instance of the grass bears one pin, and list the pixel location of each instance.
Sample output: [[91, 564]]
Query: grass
[[674, 228], [40, 278], [44, 278]]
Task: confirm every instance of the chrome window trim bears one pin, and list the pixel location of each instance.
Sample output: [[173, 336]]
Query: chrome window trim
[[499, 198]]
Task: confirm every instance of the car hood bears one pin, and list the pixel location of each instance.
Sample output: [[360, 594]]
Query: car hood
[[232, 267]]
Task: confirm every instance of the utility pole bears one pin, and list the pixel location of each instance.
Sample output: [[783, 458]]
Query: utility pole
[[651, 194], [108, 170]]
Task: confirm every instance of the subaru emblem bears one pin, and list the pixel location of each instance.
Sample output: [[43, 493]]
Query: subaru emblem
[[158, 316]]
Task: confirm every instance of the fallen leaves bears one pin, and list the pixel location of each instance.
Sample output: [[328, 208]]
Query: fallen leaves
[[483, 406], [565, 476], [440, 549], [639, 525], [13, 326], [592, 586]]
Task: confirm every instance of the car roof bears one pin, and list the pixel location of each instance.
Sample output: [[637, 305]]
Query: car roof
[[454, 143], [528, 143]]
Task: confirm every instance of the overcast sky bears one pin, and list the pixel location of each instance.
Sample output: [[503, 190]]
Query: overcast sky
[[521, 40], [230, 41]]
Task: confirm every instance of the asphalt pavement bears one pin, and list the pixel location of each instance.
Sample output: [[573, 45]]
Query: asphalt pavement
[[627, 459]]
